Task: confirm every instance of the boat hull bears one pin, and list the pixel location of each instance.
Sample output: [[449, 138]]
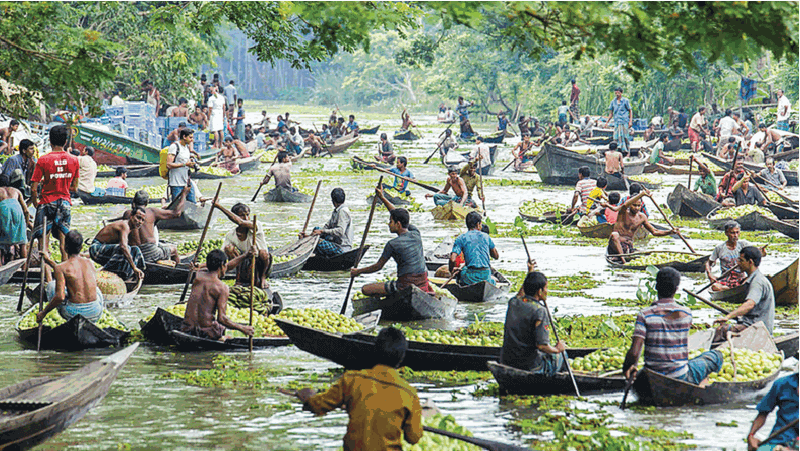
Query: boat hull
[[514, 381], [557, 165], [689, 204], [341, 262], [408, 304]]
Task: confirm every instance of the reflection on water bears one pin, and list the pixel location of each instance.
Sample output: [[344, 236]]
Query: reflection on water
[[151, 413]]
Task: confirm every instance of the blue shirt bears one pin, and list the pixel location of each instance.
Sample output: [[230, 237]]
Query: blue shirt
[[783, 395], [280, 124], [476, 246], [352, 125], [502, 123], [621, 109], [403, 183], [17, 162]]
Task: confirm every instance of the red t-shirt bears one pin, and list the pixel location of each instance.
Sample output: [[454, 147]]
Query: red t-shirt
[[56, 171]]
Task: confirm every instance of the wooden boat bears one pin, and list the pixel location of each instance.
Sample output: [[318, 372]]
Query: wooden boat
[[604, 229], [487, 170], [8, 270], [408, 304], [514, 381], [341, 144], [788, 227], [355, 351], [783, 211], [690, 204], [788, 344], [39, 408], [648, 185], [558, 165], [154, 274], [283, 195], [791, 176], [675, 169], [406, 135], [157, 329], [76, 334], [109, 300], [251, 162], [451, 211], [341, 262], [696, 265], [750, 221], [477, 292], [360, 164], [784, 285], [88, 199], [186, 342], [301, 251], [369, 131], [134, 171], [552, 217], [657, 389], [113, 148], [395, 200], [494, 138], [193, 218]]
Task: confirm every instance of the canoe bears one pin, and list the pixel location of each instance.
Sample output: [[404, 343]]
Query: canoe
[[659, 390], [558, 165], [283, 195], [514, 381], [788, 344], [355, 351], [485, 170], [8, 270], [648, 185], [451, 211], [604, 229], [109, 300], [76, 334], [39, 408], [494, 138], [750, 221], [784, 285], [551, 217], [250, 163], [301, 251], [186, 342], [787, 227], [369, 131], [791, 176], [341, 144], [360, 164], [783, 211], [690, 204], [341, 262], [193, 218], [395, 200], [696, 265], [112, 148], [406, 135], [134, 171], [157, 329], [675, 169], [408, 304], [481, 291], [88, 199]]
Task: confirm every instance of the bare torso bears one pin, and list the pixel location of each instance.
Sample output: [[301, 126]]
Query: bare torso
[[207, 292], [79, 276], [459, 187], [613, 162], [113, 233], [628, 224]]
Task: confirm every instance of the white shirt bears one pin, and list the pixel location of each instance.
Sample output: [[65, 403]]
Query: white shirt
[[727, 126], [216, 104], [230, 94], [117, 100], [87, 174], [757, 138], [783, 102], [481, 151], [244, 246]]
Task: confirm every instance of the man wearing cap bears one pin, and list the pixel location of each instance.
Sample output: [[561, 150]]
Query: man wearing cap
[[460, 194], [620, 110]]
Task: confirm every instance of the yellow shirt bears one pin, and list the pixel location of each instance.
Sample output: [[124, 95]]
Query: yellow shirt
[[381, 406], [596, 193]]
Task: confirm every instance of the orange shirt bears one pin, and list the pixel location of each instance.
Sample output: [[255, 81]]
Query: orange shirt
[[381, 405]]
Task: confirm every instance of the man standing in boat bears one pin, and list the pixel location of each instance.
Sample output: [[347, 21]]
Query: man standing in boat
[[574, 98], [144, 237], [110, 247], [620, 110], [206, 310], [662, 330], [477, 247], [336, 236], [448, 143], [472, 181], [405, 249], [460, 194], [697, 126], [629, 219], [74, 290], [179, 160], [526, 333]]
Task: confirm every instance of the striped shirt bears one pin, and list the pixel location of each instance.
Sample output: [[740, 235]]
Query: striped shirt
[[584, 187], [664, 326]]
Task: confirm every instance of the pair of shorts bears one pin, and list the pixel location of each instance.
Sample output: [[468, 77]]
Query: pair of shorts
[[627, 247], [58, 213]]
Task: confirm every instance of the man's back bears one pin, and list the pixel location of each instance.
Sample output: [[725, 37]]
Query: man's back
[[81, 284], [406, 250], [56, 171], [525, 327], [201, 308], [664, 326]]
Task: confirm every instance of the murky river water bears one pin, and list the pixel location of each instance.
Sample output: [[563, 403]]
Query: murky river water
[[148, 412]]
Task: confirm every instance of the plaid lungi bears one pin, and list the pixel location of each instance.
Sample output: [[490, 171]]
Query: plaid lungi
[[113, 260]]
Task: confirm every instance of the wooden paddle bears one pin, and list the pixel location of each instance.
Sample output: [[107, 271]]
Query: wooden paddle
[[780, 431], [252, 277], [480, 180], [672, 226], [439, 146], [27, 267], [483, 443], [311, 208], [753, 175], [689, 183], [452, 276], [733, 360], [200, 245], [361, 247], [261, 184], [721, 276], [41, 279], [715, 306], [427, 187], [628, 385]]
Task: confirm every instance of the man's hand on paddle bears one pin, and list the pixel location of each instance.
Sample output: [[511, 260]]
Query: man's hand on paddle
[[531, 265], [139, 273], [631, 373], [379, 192]]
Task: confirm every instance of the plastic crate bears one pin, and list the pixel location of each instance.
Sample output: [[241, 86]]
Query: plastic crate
[[161, 122], [114, 120], [118, 110]]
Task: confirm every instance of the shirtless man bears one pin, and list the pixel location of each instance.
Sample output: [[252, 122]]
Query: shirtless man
[[614, 162], [199, 118], [629, 219], [315, 143], [144, 237], [74, 290], [181, 110], [174, 134], [406, 118], [111, 249], [282, 171], [209, 299], [460, 194], [569, 136], [521, 159], [771, 139], [6, 141]]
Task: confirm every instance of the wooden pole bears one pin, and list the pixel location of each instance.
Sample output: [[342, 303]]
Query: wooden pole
[[566, 358], [715, 306], [200, 245], [27, 267], [689, 183], [671, 226], [721, 276], [439, 146], [361, 248], [483, 443], [41, 280], [261, 184], [427, 187], [733, 359], [480, 180], [253, 275], [311, 208], [628, 385]]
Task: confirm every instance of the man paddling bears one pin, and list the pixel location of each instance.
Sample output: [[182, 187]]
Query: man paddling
[[74, 290], [472, 180], [383, 408], [282, 171], [144, 237], [759, 304], [520, 153], [477, 247], [405, 249], [460, 194], [110, 247], [629, 220], [728, 255], [783, 395], [663, 331], [240, 240], [336, 236], [206, 310], [448, 143], [402, 170], [706, 182]]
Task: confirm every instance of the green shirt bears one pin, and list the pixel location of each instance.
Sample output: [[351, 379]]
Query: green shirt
[[706, 185]]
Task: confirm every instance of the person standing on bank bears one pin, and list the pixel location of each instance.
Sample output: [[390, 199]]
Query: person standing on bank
[[179, 160]]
